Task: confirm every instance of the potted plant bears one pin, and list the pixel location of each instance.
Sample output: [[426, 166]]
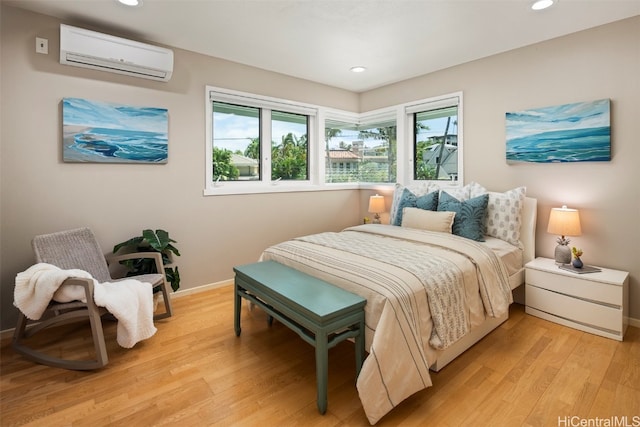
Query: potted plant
[[151, 241], [577, 253]]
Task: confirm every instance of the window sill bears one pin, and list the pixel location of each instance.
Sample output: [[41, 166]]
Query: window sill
[[232, 188]]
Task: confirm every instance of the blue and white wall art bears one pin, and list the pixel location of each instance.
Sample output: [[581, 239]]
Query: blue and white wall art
[[102, 132], [578, 132]]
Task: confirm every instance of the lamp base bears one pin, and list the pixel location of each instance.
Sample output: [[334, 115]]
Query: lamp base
[[562, 254], [376, 219]]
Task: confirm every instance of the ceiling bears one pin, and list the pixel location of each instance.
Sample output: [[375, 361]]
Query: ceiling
[[320, 40]]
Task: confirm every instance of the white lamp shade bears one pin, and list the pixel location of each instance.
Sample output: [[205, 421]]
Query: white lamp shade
[[376, 204], [564, 222]]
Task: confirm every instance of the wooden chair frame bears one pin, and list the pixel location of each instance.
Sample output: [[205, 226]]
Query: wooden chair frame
[[61, 313]]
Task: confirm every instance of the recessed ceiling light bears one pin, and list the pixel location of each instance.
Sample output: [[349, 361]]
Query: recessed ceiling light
[[542, 4], [358, 69], [131, 2]]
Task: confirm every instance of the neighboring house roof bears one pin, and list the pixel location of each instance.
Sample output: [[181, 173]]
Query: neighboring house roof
[[238, 160], [342, 155], [449, 164]]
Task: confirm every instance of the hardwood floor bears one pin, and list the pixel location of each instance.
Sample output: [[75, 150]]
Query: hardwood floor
[[196, 372]]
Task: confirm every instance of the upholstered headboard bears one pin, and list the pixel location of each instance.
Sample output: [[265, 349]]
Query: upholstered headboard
[[528, 228]]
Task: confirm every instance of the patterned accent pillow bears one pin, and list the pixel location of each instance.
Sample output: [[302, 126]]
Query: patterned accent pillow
[[470, 215], [419, 189], [504, 213], [460, 193], [409, 200]]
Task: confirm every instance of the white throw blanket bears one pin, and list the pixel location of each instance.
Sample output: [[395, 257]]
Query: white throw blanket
[[130, 301]]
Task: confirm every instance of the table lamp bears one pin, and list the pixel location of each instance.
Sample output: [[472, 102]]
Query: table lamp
[[565, 222], [376, 206]]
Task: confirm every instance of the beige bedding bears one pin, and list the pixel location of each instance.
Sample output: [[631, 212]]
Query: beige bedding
[[511, 256], [424, 291]]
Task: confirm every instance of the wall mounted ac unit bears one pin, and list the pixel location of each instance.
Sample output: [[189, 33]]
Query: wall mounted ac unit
[[90, 49]]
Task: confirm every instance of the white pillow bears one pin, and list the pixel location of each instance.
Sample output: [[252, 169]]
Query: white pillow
[[460, 193], [419, 189], [504, 212], [428, 220]]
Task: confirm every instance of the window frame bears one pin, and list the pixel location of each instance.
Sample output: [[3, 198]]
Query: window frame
[[316, 142], [266, 104], [369, 118], [259, 117], [424, 105]]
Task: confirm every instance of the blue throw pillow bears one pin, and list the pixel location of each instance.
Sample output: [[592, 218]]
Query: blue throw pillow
[[470, 214], [427, 202]]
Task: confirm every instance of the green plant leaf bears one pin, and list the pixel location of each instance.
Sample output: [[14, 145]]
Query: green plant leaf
[[172, 248], [165, 258], [158, 240], [133, 242], [173, 277]]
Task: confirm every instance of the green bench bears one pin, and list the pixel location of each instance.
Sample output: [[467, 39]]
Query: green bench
[[321, 313]]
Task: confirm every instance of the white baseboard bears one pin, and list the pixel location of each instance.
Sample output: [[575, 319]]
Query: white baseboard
[[197, 289], [8, 333]]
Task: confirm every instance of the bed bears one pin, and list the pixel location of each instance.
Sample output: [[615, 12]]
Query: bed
[[430, 294]]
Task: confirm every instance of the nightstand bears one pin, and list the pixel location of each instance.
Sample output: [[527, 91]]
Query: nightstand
[[592, 302]]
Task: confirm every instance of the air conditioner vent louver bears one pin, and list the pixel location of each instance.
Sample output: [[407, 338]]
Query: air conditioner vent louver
[[89, 49]]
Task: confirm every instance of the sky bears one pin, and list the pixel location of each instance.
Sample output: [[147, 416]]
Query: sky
[[234, 132]]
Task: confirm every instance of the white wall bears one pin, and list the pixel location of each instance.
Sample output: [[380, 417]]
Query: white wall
[[40, 193], [603, 62]]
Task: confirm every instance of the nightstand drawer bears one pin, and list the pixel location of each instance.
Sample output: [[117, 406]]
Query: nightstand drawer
[[576, 310], [576, 286]]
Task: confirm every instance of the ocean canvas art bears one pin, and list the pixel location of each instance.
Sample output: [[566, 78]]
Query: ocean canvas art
[[579, 132], [103, 132]]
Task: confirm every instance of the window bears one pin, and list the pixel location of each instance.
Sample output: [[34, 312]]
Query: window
[[258, 144], [289, 146], [435, 140], [236, 142], [365, 150]]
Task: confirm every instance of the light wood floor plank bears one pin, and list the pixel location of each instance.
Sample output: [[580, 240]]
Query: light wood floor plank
[[196, 372]]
